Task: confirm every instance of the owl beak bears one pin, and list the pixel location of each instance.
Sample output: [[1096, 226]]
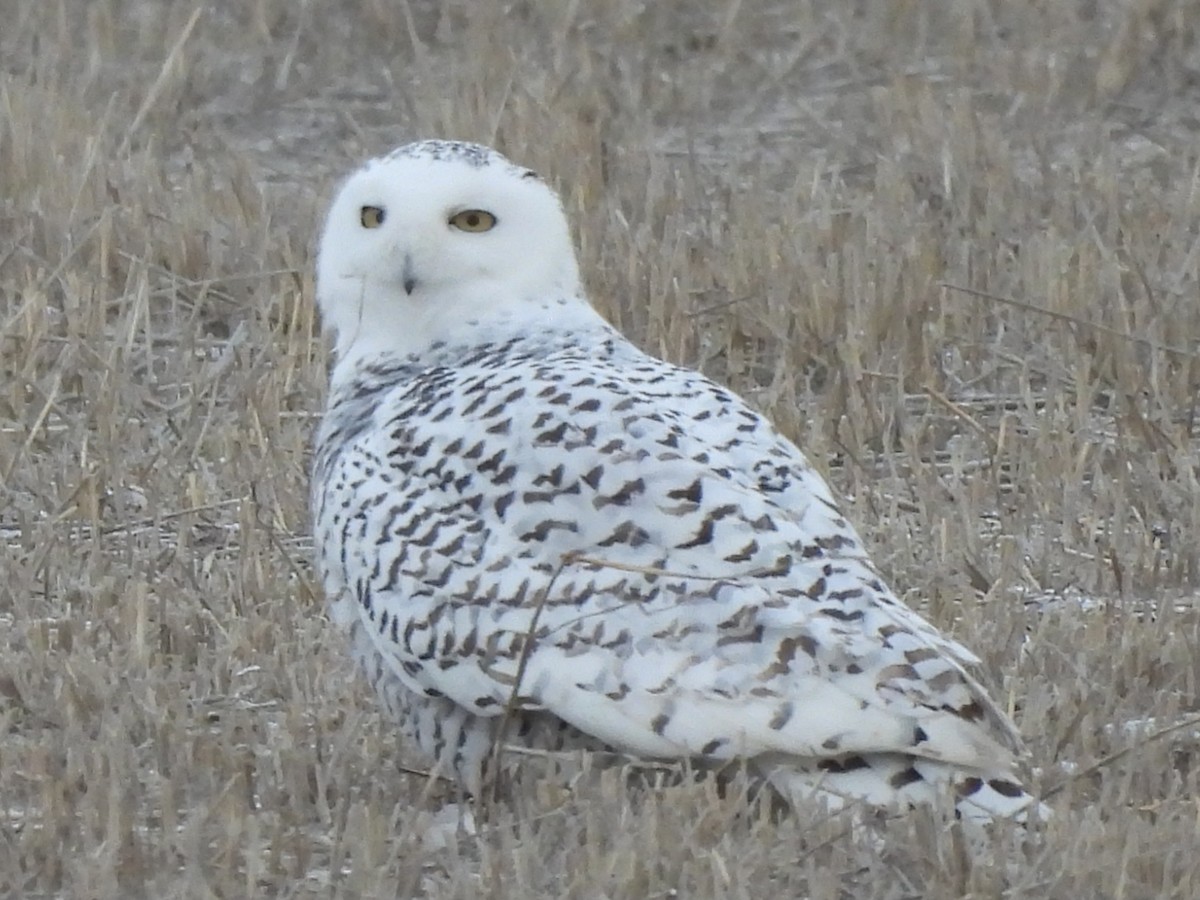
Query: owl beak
[[409, 276]]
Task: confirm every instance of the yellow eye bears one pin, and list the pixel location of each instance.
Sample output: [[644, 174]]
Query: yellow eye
[[371, 216], [473, 220]]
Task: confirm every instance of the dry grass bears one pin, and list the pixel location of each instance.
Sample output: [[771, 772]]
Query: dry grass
[[952, 247]]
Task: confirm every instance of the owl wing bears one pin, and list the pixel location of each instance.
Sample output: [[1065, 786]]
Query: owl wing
[[636, 551]]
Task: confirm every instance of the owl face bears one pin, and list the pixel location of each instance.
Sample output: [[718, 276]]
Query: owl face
[[433, 236]]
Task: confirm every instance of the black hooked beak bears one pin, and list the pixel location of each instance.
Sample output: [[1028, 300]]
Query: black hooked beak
[[410, 279]]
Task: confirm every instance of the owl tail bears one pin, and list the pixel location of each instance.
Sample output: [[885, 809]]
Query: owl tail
[[896, 781]]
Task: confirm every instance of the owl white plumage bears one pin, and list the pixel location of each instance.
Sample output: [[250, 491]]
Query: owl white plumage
[[528, 523]]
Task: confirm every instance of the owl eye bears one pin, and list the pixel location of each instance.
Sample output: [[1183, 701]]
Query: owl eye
[[473, 220], [371, 216]]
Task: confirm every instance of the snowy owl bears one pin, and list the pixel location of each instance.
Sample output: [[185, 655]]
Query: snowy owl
[[529, 524]]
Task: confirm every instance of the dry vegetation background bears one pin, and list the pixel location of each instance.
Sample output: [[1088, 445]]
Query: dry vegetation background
[[952, 247]]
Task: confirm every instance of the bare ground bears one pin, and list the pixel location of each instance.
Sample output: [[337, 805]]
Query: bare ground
[[951, 247]]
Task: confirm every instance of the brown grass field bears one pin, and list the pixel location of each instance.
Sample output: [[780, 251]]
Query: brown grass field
[[952, 247]]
